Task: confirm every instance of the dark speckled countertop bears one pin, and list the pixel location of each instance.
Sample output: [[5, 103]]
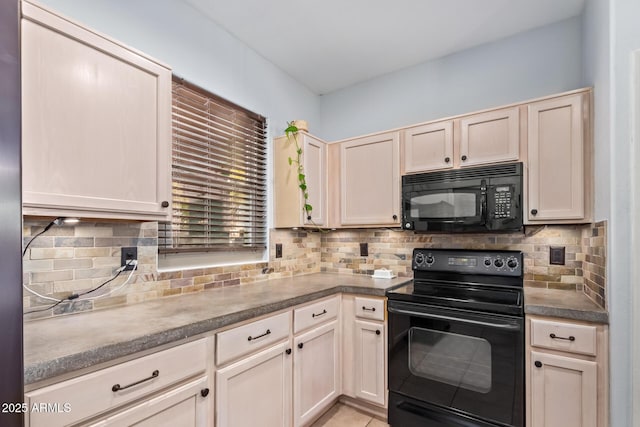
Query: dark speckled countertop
[[62, 345], [66, 345], [563, 304]]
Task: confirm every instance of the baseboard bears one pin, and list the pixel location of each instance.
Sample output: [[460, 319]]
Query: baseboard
[[373, 410]]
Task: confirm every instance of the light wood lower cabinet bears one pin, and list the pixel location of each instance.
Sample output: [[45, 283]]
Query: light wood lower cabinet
[[364, 357], [171, 387], [316, 376], [563, 391], [182, 406], [370, 355], [566, 373], [256, 391]]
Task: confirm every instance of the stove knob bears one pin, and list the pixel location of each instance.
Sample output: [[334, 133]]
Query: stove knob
[[419, 259], [498, 263], [430, 259], [487, 262], [512, 263]]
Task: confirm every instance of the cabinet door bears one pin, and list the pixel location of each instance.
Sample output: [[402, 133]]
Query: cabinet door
[[288, 199], [256, 391], [556, 160], [370, 176], [428, 147], [184, 406], [370, 373], [490, 137], [96, 123], [315, 168], [316, 378], [563, 391]]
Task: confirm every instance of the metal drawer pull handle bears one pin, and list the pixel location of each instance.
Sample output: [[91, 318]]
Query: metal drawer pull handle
[[319, 314], [259, 336], [118, 387], [368, 309], [555, 337]]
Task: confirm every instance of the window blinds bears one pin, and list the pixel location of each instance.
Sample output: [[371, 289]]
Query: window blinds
[[218, 176]]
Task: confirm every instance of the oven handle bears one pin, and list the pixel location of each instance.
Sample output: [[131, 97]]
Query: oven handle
[[499, 325]]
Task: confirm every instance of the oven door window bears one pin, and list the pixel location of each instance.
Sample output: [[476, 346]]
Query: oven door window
[[458, 360]]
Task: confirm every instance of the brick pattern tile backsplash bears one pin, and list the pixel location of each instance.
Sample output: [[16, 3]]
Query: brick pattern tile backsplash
[[73, 259]]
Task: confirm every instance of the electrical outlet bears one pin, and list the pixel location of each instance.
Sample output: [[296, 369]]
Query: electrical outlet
[[556, 255], [127, 255], [278, 250], [364, 249]]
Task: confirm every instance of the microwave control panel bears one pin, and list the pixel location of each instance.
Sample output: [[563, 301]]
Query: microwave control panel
[[503, 206]]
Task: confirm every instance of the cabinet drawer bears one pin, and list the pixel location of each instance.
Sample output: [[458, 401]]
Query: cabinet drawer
[[315, 313], [91, 394], [370, 308], [251, 337], [562, 336]]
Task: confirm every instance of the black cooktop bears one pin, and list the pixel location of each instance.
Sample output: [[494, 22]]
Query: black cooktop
[[475, 280]]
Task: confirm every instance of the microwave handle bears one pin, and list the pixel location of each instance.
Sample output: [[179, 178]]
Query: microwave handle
[[483, 209]]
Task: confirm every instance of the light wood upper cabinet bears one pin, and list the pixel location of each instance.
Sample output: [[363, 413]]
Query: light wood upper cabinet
[[427, 147], [370, 180], [289, 201], [490, 137], [472, 140], [559, 160], [96, 123]]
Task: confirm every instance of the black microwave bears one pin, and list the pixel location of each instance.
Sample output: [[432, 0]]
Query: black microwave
[[471, 200]]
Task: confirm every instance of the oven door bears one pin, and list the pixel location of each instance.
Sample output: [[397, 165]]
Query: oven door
[[466, 365], [444, 207]]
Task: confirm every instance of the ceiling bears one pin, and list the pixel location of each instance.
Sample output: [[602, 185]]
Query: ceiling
[[331, 44]]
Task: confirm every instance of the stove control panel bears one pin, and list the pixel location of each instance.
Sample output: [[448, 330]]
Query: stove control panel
[[463, 261]]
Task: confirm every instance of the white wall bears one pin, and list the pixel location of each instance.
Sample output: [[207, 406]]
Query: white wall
[[625, 33], [201, 52], [204, 54], [536, 63], [596, 73]]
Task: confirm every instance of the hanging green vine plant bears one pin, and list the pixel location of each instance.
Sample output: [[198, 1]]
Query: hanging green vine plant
[[292, 134]]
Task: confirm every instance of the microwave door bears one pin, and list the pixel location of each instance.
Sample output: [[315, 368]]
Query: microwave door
[[446, 208]]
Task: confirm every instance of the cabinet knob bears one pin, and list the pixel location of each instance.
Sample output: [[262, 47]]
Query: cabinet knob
[[288, 351], [534, 211], [464, 158], [377, 331], [538, 364], [308, 217], [300, 345], [204, 392], [395, 217], [447, 159], [164, 204]]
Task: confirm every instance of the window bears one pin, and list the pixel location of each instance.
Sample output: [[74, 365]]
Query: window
[[218, 175]]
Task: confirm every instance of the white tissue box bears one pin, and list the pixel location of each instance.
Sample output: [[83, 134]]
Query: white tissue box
[[383, 274]]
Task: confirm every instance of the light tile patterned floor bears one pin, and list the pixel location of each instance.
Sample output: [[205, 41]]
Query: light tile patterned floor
[[341, 415]]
